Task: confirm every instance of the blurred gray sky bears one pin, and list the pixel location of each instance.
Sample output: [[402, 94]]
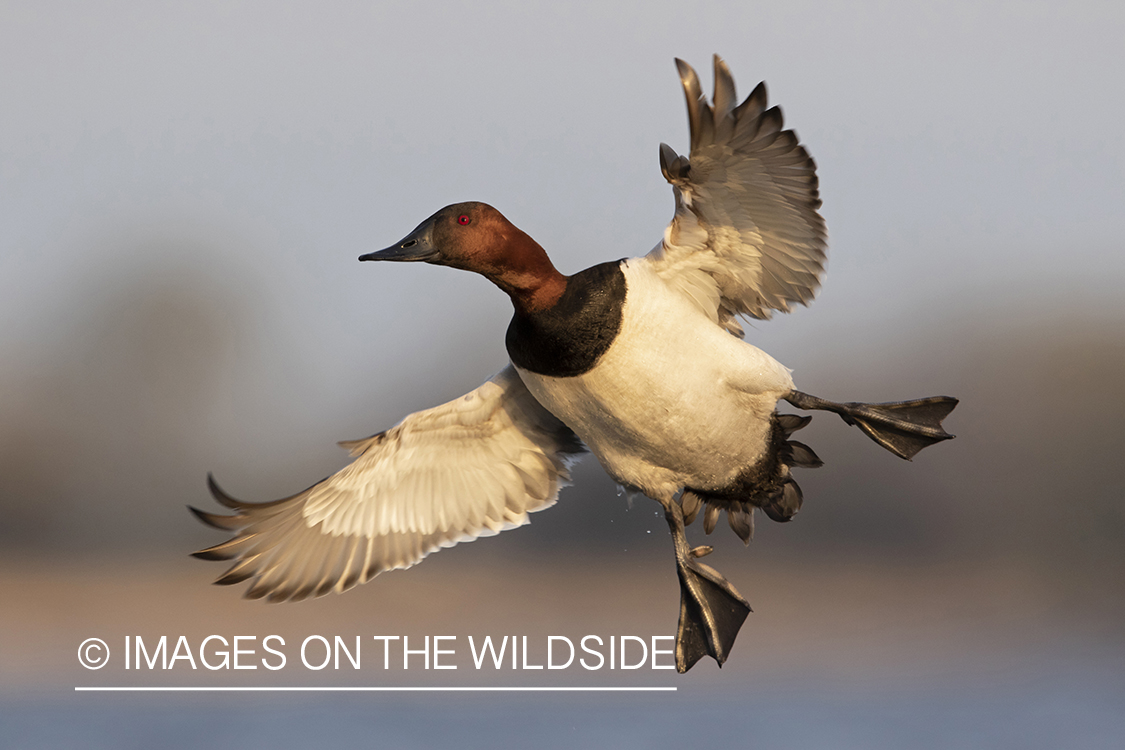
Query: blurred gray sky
[[184, 190]]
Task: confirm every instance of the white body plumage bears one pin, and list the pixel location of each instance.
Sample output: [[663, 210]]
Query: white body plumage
[[675, 401]]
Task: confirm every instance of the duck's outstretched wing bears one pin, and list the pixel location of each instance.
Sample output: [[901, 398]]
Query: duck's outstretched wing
[[746, 238], [469, 468]]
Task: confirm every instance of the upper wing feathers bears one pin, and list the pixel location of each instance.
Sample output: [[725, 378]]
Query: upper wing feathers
[[746, 238], [472, 467]]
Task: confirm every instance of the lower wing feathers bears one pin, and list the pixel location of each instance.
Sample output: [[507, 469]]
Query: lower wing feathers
[[469, 468]]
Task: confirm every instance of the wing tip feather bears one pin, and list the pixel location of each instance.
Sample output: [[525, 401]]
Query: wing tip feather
[[216, 521], [222, 497]]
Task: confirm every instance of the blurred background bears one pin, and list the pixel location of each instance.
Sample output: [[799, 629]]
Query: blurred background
[[184, 190]]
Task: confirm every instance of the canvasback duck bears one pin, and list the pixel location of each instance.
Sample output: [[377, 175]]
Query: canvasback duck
[[639, 361]]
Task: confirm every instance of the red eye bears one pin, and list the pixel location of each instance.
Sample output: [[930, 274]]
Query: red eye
[[462, 219]]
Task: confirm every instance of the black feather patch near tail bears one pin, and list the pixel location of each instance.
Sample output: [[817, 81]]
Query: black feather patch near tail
[[768, 484]]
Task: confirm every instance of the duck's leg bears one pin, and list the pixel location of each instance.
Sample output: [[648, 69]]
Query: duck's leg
[[902, 427], [711, 610]]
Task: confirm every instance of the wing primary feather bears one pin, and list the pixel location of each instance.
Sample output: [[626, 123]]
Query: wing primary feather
[[238, 572], [215, 521], [696, 103], [753, 106], [725, 99], [218, 494], [227, 550]]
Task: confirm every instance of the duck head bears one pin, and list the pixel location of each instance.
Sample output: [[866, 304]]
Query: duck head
[[476, 237]]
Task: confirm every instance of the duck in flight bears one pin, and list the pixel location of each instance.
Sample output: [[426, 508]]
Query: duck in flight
[[639, 361]]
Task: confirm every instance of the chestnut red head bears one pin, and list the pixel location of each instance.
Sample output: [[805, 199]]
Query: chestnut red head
[[476, 237], [462, 235]]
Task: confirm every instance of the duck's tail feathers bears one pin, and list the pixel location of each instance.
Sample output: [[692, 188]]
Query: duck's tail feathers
[[776, 492], [902, 427]]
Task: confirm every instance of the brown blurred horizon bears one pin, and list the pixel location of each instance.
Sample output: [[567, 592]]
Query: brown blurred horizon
[[110, 431]]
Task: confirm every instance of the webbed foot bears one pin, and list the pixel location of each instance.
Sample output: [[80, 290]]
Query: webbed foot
[[711, 609], [711, 613], [902, 427]]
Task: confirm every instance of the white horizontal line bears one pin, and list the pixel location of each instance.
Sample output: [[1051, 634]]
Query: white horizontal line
[[379, 689]]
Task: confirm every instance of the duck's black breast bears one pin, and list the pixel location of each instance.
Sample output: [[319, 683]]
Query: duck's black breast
[[570, 337]]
